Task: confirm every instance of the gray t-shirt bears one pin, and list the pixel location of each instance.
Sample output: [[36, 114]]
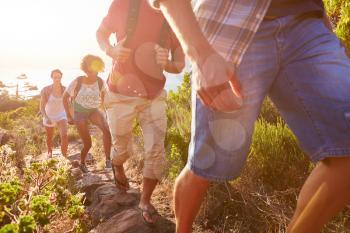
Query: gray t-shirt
[[280, 8]]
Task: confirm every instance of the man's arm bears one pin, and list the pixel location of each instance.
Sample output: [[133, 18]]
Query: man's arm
[[180, 16], [102, 36], [215, 81], [177, 62], [118, 52]]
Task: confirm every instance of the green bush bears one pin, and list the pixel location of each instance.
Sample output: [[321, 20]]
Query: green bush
[[275, 159], [339, 12], [269, 112], [43, 193], [42, 209], [5, 121], [9, 228], [26, 224], [178, 134]]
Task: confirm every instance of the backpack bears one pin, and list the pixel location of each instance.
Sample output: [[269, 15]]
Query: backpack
[[80, 82], [133, 14], [154, 71]]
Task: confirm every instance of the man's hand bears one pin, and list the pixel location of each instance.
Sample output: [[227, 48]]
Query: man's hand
[[119, 53], [216, 84], [162, 56]]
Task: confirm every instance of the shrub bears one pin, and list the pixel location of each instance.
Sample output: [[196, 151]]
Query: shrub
[[269, 112], [275, 157], [179, 126], [28, 205], [339, 12]]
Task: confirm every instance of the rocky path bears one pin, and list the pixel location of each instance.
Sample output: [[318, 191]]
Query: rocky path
[[111, 210]]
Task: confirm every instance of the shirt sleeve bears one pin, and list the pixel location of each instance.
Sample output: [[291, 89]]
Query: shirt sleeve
[[70, 89], [111, 19]]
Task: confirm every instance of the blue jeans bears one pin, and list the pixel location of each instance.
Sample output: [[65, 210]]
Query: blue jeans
[[303, 68]]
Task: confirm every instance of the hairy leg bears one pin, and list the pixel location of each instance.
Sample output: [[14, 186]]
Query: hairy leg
[[189, 192], [325, 193]]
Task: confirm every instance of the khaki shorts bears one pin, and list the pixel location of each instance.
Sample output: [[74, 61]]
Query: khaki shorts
[[121, 113]]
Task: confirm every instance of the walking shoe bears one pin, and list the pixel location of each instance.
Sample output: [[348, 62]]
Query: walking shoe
[[84, 168], [108, 164]]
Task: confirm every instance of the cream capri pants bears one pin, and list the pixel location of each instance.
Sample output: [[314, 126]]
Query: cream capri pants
[[121, 113]]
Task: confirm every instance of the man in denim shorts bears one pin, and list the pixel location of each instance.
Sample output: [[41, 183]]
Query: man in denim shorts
[[242, 51]]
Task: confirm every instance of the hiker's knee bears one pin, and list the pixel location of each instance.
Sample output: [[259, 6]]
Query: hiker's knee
[[119, 157], [154, 167]]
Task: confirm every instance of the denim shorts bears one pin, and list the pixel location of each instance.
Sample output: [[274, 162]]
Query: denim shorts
[[83, 116], [303, 68]]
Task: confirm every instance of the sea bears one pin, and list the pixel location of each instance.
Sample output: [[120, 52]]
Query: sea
[[40, 78]]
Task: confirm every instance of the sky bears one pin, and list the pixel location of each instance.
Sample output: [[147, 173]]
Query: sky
[[36, 34]]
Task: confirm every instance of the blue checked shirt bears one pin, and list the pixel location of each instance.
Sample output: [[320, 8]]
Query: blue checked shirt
[[229, 25]]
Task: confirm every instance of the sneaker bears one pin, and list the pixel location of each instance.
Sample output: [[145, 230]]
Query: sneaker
[[84, 168], [108, 164]]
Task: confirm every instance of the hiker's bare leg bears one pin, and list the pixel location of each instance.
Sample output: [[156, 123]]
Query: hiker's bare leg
[[189, 192], [145, 202], [120, 173], [62, 125], [98, 119], [325, 193], [49, 138], [83, 130]]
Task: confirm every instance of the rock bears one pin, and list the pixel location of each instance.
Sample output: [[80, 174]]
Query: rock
[[91, 181], [127, 221], [75, 163], [92, 178], [76, 173], [76, 156], [107, 201]]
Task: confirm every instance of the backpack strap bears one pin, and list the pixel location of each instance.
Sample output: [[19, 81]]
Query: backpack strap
[[80, 81], [78, 86], [164, 33], [100, 83], [133, 14]]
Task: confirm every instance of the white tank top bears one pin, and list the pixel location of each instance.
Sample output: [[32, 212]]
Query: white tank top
[[54, 108]]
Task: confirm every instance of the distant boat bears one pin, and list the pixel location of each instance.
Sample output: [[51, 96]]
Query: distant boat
[[22, 76], [32, 88]]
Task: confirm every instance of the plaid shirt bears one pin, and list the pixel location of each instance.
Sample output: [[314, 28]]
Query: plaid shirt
[[229, 25]]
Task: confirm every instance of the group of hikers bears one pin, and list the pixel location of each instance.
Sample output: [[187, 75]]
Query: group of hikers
[[240, 51]]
